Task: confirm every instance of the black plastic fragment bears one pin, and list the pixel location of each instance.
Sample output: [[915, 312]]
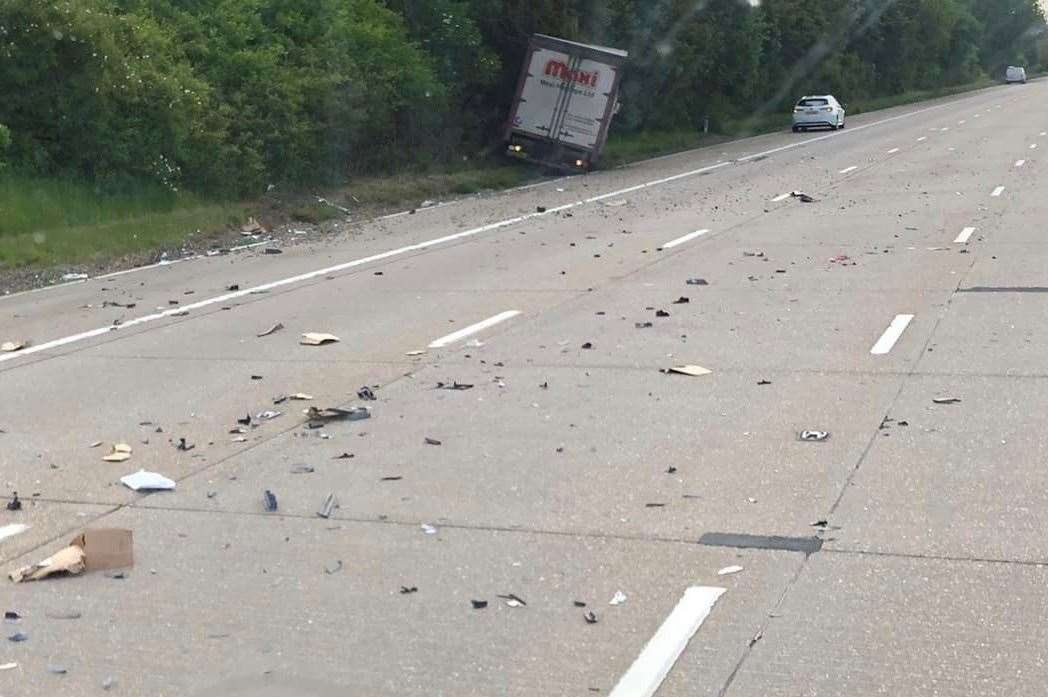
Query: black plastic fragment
[[807, 545], [269, 501], [15, 504]]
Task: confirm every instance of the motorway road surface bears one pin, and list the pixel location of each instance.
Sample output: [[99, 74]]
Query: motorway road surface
[[568, 473]]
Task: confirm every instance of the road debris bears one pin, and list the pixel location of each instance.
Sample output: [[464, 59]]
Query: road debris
[[301, 397], [147, 481], [588, 345], [74, 277], [268, 415], [119, 453], [64, 614], [99, 549], [618, 599], [513, 600], [763, 382], [18, 637], [690, 370], [333, 568], [697, 282], [108, 683], [729, 570], [318, 339], [12, 346], [272, 330], [415, 353], [15, 504], [643, 325], [454, 386], [272, 250], [661, 313], [57, 669], [183, 445], [682, 300], [327, 414], [7, 666], [408, 590], [428, 529], [394, 478], [803, 197], [302, 469], [269, 501], [343, 456], [243, 421], [366, 394], [590, 617], [252, 227], [813, 436], [326, 508], [11, 616], [432, 441], [479, 604], [947, 400]]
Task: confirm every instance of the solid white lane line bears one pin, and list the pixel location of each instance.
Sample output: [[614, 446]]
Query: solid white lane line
[[684, 238], [998, 191], [965, 235], [382, 256], [1020, 163], [891, 335], [893, 151], [780, 197], [11, 530], [848, 169], [922, 139], [473, 329], [654, 663]]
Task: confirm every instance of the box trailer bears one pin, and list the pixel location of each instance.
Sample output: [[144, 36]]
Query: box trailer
[[566, 97]]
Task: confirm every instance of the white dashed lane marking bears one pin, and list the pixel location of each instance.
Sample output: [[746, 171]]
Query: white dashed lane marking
[[998, 191], [965, 235], [684, 238], [848, 169], [891, 335], [473, 329]]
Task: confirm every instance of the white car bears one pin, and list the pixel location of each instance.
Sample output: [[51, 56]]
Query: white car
[[818, 111], [1015, 74]]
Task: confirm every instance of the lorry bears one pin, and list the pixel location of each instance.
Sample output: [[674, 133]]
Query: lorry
[[566, 97]]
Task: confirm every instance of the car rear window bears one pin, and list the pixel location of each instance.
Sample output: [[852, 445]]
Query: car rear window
[[812, 102]]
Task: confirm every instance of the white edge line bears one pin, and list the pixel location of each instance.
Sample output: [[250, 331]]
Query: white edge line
[[891, 335], [848, 169], [473, 329], [965, 235], [997, 192], [56, 343], [13, 529], [684, 238], [659, 655]]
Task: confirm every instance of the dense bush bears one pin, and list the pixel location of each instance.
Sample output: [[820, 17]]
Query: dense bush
[[228, 96]]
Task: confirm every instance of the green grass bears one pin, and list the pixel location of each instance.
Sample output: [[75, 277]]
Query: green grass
[[46, 222], [414, 188], [862, 106]]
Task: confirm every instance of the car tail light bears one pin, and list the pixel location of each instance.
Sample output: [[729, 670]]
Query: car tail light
[[827, 108]]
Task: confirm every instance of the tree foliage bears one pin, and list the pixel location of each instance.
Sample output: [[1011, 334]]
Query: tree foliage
[[227, 96]]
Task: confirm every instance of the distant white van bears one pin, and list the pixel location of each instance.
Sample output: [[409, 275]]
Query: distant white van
[[1015, 73]]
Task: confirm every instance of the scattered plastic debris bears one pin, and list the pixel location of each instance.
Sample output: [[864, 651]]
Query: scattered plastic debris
[[682, 300], [326, 508], [343, 456], [947, 400], [269, 501], [513, 600], [432, 441], [428, 529], [588, 345], [252, 227], [661, 313], [12, 346], [272, 330], [57, 669], [120, 452], [183, 445], [147, 481], [18, 637], [408, 590], [108, 683], [729, 570], [11, 616], [366, 394], [690, 370], [301, 397], [415, 353], [15, 504], [318, 339], [643, 325], [302, 469], [803, 197], [697, 282], [333, 568], [454, 385], [64, 614], [763, 382], [590, 617], [320, 416], [272, 250], [618, 599], [479, 604], [813, 436], [268, 415], [8, 666]]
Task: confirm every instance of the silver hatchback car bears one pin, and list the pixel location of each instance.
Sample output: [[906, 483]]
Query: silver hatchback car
[[818, 111]]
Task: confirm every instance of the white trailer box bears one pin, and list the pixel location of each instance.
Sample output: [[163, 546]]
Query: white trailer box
[[566, 98]]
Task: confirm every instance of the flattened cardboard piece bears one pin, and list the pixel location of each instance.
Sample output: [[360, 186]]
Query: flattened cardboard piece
[[106, 548]]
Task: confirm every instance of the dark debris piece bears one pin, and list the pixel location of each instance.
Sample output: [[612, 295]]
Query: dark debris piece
[[15, 504], [18, 637], [697, 282], [671, 470], [454, 385], [588, 345], [405, 590], [514, 597], [183, 445], [269, 501], [579, 603], [366, 394], [396, 478], [662, 313], [590, 617], [682, 300], [479, 604], [11, 616], [344, 456], [764, 382], [432, 441]]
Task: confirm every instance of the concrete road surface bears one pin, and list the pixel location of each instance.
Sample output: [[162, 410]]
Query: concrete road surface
[[903, 555]]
